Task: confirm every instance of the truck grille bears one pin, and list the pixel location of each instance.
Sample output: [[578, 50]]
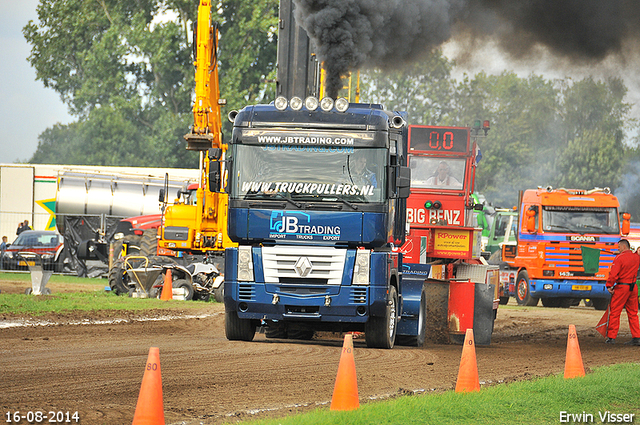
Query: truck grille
[[566, 257], [358, 295], [246, 292], [309, 265]]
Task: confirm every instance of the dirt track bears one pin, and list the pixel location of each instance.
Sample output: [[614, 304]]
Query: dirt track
[[97, 369]]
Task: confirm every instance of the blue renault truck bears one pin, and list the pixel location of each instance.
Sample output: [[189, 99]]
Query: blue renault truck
[[317, 203]]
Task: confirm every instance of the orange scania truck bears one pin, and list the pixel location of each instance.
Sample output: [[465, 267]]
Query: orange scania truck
[[566, 242]]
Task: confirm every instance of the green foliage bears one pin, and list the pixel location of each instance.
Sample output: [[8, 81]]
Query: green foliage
[[125, 70], [523, 142], [248, 44], [543, 132], [592, 159], [594, 118]]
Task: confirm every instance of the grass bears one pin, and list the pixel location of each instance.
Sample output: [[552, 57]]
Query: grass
[[84, 301], [66, 302], [614, 389], [56, 278]]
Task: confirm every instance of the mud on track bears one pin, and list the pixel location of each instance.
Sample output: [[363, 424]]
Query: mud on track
[[96, 368]]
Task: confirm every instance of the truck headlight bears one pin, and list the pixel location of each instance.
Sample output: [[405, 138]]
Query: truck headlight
[[362, 267], [342, 104], [326, 104], [281, 103], [8, 254], [245, 264], [47, 256]]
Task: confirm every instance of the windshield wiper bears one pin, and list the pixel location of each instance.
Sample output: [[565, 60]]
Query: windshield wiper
[[273, 197], [559, 227], [344, 201], [291, 201], [600, 228]]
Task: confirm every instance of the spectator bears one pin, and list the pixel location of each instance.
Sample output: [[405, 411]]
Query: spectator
[[3, 248], [23, 226]]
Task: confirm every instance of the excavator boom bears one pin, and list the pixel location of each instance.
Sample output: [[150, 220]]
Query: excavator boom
[[201, 226], [206, 131]]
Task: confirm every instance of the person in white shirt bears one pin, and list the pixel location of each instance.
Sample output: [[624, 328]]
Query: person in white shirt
[[443, 177]]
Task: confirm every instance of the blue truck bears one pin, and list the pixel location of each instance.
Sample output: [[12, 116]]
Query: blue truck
[[317, 203]]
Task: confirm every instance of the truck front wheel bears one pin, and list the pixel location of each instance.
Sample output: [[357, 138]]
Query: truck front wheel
[[237, 329], [380, 332], [600, 303], [523, 290]]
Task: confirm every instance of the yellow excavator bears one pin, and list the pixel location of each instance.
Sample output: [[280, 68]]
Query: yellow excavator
[[197, 222], [194, 225]]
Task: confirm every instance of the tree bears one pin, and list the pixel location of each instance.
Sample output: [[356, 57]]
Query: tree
[[125, 70], [520, 149], [592, 159], [594, 118], [423, 89]]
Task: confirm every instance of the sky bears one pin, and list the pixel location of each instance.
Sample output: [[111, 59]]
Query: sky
[[28, 108]]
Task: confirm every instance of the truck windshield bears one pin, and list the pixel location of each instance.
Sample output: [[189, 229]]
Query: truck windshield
[[580, 220], [436, 173], [303, 173]]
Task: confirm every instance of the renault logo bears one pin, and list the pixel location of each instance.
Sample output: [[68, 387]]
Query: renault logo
[[303, 266]]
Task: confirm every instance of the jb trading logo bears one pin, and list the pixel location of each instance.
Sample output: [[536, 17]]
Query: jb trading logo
[[298, 224]]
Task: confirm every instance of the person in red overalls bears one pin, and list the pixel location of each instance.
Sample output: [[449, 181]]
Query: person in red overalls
[[624, 292]]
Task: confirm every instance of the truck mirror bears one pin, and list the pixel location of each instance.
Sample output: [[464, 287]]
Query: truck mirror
[[214, 176], [161, 195], [215, 154], [403, 182], [626, 223], [531, 220]]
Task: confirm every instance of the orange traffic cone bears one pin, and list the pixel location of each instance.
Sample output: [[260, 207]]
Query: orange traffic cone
[[468, 373], [149, 410], [345, 392], [573, 366], [167, 287]]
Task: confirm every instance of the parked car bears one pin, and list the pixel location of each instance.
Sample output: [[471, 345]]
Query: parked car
[[47, 243]]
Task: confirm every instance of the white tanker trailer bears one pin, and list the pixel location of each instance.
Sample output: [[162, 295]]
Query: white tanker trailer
[[90, 206]]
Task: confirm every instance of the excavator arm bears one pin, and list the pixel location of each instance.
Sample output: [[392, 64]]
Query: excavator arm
[[201, 227], [207, 125]]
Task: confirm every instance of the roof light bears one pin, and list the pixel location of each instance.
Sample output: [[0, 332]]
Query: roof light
[[476, 124], [342, 104], [326, 104], [281, 103], [295, 103], [311, 103]]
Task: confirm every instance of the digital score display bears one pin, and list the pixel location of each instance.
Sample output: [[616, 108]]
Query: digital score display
[[438, 139]]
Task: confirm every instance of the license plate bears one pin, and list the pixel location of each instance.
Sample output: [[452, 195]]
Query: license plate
[[23, 263], [581, 287]]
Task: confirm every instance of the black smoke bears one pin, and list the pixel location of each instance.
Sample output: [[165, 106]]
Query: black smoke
[[386, 34]]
